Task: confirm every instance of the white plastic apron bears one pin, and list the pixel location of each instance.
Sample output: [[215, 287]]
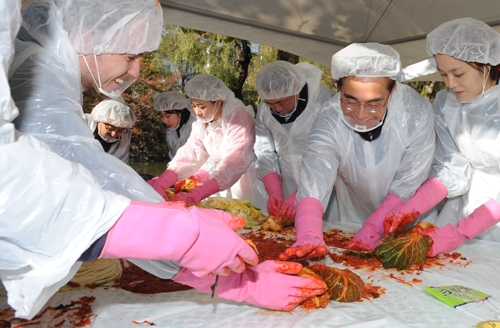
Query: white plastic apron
[[355, 203], [485, 182], [248, 187]]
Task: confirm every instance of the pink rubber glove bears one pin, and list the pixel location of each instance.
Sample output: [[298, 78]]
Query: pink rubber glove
[[288, 207], [201, 240], [265, 285], [449, 237], [195, 195], [200, 176], [309, 228], [428, 195], [163, 182], [368, 237], [273, 187]]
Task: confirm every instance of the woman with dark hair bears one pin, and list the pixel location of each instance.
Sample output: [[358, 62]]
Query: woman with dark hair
[[466, 163]]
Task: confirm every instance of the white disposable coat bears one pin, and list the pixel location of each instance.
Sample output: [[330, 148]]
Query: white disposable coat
[[364, 172], [279, 147], [52, 208], [119, 149], [228, 142], [467, 159], [46, 87], [174, 141]]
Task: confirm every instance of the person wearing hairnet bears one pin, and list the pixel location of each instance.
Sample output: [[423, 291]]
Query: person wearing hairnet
[[83, 214], [373, 141], [466, 164], [110, 122], [285, 117], [175, 115], [224, 132]]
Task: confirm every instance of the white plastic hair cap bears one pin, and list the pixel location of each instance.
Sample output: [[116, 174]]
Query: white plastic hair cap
[[366, 60], [115, 113], [466, 39], [207, 87], [113, 26], [279, 79], [171, 100]]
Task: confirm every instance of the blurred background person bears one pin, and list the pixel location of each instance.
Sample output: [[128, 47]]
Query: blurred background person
[[175, 115], [110, 122], [291, 100], [224, 131]]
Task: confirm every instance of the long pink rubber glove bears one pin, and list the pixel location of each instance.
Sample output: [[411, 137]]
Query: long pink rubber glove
[[288, 207], [195, 195], [272, 184], [163, 182], [309, 228], [449, 237], [200, 176], [265, 285], [201, 240], [368, 237], [428, 195]]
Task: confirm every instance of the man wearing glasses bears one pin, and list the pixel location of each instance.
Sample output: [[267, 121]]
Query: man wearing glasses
[[110, 122], [373, 141]]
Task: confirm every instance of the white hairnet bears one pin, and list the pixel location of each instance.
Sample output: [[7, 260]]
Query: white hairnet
[[113, 26], [466, 39], [207, 87], [279, 79], [115, 113], [366, 60], [171, 100]]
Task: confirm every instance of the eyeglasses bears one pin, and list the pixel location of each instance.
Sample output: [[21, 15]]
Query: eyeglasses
[[111, 128], [371, 106]]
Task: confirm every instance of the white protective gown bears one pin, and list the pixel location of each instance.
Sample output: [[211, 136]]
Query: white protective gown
[[51, 210], [46, 87], [119, 149], [57, 183], [467, 158], [279, 147], [174, 141], [364, 172], [228, 143]]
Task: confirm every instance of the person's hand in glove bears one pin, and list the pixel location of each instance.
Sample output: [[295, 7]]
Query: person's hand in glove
[[163, 182], [200, 176], [270, 285], [368, 237], [195, 195], [428, 195], [449, 237], [201, 240], [309, 229], [272, 184], [288, 207]]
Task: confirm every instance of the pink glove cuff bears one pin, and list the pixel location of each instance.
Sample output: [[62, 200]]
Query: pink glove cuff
[[201, 176], [197, 194], [163, 182], [376, 219], [450, 237], [149, 226], [272, 184], [309, 218]]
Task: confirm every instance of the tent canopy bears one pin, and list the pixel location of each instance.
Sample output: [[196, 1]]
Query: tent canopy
[[316, 29]]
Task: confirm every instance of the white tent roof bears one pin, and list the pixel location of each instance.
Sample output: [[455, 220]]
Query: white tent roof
[[316, 29]]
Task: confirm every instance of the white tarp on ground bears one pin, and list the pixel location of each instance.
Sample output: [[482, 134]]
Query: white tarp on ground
[[404, 303]]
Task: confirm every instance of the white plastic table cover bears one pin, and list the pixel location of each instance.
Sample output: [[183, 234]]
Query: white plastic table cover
[[402, 305]]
